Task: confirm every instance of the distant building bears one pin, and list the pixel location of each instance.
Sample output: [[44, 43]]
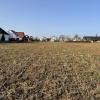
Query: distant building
[[21, 35], [13, 35], [4, 36], [16, 36], [54, 39], [45, 39], [91, 38]]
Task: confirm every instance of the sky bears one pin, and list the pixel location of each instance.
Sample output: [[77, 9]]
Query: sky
[[51, 17]]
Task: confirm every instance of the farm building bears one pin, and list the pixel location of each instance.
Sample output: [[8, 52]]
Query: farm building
[[91, 38], [4, 36]]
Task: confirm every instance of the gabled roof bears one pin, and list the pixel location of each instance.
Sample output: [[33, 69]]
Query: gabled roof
[[13, 32], [94, 38], [20, 34], [3, 32]]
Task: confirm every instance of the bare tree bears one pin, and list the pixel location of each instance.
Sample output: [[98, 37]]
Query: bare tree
[[62, 37], [77, 37]]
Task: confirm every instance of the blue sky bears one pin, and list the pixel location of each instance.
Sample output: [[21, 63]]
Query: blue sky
[[51, 17]]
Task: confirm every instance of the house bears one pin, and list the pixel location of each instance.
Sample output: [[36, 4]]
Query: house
[[91, 38], [4, 36], [21, 35], [13, 35], [16, 36], [45, 39], [54, 39]]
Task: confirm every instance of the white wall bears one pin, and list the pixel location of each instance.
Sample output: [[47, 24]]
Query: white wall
[[6, 37], [12, 35], [0, 36], [53, 39]]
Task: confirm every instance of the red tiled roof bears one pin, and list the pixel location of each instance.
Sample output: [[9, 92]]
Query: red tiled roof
[[20, 34]]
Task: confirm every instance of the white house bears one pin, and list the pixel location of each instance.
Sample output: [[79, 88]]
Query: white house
[[4, 36], [13, 35], [54, 39]]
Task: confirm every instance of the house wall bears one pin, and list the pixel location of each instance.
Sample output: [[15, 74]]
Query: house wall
[[6, 37], [12, 35], [0, 36]]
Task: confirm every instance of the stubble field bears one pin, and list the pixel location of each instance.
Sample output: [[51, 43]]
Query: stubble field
[[50, 71]]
